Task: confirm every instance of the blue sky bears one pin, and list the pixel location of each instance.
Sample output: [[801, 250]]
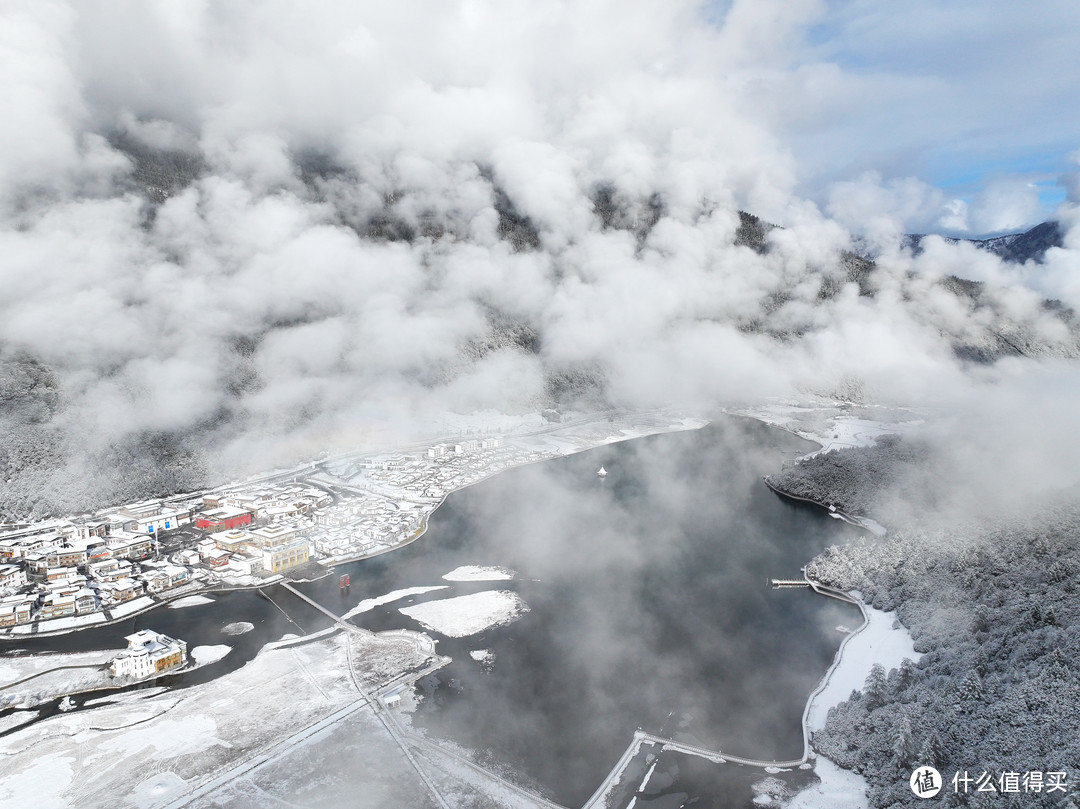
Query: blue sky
[[961, 95]]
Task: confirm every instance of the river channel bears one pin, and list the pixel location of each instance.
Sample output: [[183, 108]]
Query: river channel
[[649, 608]]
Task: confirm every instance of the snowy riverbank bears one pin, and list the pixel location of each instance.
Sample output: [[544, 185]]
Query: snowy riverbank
[[881, 640]]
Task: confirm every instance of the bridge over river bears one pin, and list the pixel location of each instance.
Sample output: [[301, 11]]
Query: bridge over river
[[640, 737]]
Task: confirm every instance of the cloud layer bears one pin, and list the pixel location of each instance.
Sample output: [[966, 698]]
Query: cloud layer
[[230, 239]]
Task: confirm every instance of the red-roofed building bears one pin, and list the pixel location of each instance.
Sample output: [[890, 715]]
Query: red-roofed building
[[223, 519]]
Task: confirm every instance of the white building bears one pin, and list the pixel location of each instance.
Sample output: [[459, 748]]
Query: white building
[[119, 591], [106, 570], [12, 576], [273, 534], [158, 576], [85, 601], [16, 610], [148, 653], [244, 564], [57, 605]]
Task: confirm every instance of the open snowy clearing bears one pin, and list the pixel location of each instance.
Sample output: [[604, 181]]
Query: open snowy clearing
[[18, 668], [833, 424], [145, 752], [478, 573], [467, 615]]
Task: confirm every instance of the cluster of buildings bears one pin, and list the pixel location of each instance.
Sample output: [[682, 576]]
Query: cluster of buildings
[[65, 568], [111, 563], [81, 566], [443, 468]]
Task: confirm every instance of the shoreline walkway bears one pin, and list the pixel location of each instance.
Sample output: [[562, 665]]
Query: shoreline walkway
[[720, 757]]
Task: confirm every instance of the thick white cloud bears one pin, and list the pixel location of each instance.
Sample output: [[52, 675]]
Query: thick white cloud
[[263, 309]]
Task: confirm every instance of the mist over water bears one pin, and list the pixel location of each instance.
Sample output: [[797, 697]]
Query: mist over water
[[649, 606]]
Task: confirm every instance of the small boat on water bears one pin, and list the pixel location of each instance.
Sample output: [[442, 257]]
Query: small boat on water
[[601, 472]]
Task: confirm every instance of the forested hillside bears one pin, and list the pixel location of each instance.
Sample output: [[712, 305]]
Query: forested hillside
[[995, 612], [853, 479]]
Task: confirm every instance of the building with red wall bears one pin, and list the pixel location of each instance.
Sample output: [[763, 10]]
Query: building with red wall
[[223, 519]]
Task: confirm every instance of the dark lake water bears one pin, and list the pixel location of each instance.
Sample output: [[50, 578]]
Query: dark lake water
[[649, 608]]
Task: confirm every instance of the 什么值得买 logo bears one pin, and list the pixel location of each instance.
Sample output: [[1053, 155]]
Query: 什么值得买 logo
[[925, 782]]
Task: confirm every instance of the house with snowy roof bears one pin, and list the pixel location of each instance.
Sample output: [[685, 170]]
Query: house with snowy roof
[[148, 653]]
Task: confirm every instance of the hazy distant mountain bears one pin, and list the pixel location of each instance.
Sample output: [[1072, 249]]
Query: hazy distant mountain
[[1031, 245]]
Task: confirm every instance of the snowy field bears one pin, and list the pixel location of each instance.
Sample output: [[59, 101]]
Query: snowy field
[[319, 736], [467, 615], [477, 573], [45, 683], [832, 424], [131, 607], [23, 666]]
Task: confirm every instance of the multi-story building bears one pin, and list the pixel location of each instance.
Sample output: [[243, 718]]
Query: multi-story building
[[85, 601], [119, 591], [244, 564], [233, 541], [109, 569], [286, 555], [22, 547], [12, 576], [164, 576], [149, 653], [60, 574], [98, 551], [66, 557], [217, 558], [158, 520], [127, 545], [57, 605], [275, 534], [16, 610]]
